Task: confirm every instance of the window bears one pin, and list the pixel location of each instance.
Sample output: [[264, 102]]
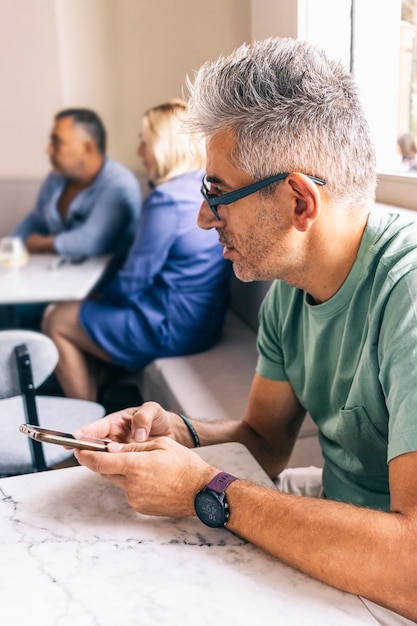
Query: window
[[377, 42], [383, 53]]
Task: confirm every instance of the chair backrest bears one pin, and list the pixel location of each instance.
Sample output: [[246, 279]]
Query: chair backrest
[[43, 356], [27, 358], [19, 402]]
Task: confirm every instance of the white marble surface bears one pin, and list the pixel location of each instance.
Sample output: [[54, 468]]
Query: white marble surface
[[41, 280], [73, 553]]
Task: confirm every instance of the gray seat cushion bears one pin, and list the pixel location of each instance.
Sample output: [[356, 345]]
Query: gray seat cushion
[[55, 413], [213, 384]]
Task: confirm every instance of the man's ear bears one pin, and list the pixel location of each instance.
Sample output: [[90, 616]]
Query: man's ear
[[90, 146], [307, 200]]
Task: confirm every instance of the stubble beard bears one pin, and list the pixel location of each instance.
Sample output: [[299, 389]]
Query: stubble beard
[[247, 273], [246, 270]]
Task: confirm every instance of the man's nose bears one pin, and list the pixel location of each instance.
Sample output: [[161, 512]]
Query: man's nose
[[206, 218]]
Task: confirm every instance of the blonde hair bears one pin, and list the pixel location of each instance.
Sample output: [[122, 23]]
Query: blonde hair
[[175, 150]]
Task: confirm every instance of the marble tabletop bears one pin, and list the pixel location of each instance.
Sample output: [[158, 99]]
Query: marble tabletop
[[50, 278], [73, 553]]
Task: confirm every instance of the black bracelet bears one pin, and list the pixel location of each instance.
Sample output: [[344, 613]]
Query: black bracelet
[[191, 430]]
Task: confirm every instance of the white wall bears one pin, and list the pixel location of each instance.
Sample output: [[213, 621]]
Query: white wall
[[30, 84], [155, 44], [270, 18], [120, 57], [116, 56]]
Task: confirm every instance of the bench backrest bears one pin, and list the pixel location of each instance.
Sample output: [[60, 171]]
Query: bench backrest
[[246, 299]]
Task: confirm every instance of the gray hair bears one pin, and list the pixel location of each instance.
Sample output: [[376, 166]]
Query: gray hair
[[290, 109]]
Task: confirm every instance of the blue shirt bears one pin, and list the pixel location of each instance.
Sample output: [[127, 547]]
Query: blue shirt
[[101, 219], [171, 295]]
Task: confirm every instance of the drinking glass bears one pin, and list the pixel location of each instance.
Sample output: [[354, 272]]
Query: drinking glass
[[13, 252]]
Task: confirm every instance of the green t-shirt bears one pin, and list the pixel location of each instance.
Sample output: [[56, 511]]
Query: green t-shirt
[[352, 361]]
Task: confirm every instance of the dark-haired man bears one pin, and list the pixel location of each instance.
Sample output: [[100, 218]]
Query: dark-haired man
[[88, 205]]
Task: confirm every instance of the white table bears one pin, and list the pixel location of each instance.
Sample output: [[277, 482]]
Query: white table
[[73, 552], [42, 280]]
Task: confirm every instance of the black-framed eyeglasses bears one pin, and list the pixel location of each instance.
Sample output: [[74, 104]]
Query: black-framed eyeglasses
[[214, 200]]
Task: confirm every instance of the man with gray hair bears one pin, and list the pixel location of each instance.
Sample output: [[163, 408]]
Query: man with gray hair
[[289, 187]]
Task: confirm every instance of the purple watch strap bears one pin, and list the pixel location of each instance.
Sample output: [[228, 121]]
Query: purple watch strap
[[220, 482]]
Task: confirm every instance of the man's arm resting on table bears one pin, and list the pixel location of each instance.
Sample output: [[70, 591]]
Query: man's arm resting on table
[[358, 550], [361, 551], [37, 243]]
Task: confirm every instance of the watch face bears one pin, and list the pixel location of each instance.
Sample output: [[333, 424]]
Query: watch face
[[210, 509]]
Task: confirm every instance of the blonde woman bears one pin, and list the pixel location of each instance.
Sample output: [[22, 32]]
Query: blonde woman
[[171, 295]]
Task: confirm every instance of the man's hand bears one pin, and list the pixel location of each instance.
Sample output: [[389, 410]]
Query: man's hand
[[37, 243], [115, 426], [137, 424], [159, 477]]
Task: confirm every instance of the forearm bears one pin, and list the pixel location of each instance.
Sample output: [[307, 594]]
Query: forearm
[[214, 432], [37, 243], [208, 432], [358, 550]]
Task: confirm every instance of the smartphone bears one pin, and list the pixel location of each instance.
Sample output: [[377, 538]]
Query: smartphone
[[64, 439]]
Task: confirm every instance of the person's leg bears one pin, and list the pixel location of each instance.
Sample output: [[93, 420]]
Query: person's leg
[[79, 357]]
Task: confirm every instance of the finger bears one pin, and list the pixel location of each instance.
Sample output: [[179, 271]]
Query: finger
[[103, 463], [98, 429], [100, 462], [150, 419], [120, 462], [124, 447], [147, 446], [111, 426]]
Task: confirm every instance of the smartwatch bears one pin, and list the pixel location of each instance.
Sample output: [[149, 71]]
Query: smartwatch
[[210, 503]]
